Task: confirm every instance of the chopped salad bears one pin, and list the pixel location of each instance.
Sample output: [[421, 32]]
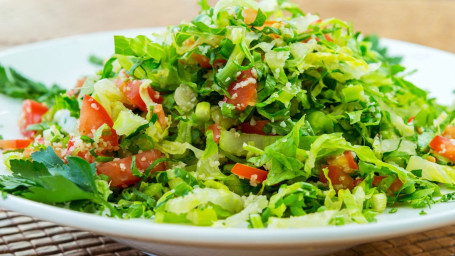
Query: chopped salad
[[251, 115]]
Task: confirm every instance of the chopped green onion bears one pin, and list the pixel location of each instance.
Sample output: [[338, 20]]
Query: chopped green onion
[[256, 221], [203, 111], [379, 202]]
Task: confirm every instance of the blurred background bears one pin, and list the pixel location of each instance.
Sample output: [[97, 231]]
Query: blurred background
[[427, 22]]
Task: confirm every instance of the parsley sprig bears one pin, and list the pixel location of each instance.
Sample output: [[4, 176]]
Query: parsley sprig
[[47, 178]]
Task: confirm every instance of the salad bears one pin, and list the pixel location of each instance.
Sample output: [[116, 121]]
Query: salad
[[251, 115]]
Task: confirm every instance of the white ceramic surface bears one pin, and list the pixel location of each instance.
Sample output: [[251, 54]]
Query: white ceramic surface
[[64, 60]]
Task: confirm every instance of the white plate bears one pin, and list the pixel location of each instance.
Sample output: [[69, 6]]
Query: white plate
[[64, 60]]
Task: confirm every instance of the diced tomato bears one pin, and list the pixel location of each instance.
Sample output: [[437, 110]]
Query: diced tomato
[[357, 181], [243, 91], [444, 147], [340, 179], [394, 187], [130, 89], [269, 23], [248, 172], [216, 132], [189, 42], [75, 90], [119, 170], [411, 119], [257, 127], [14, 144], [158, 109], [345, 161], [249, 15], [32, 112], [449, 132], [203, 60], [326, 36], [92, 117]]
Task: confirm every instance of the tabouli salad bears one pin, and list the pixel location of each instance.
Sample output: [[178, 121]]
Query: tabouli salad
[[251, 115]]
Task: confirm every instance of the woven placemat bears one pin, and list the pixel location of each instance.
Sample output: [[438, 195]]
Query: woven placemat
[[23, 235]]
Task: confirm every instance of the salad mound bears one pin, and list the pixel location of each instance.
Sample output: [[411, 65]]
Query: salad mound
[[251, 115]]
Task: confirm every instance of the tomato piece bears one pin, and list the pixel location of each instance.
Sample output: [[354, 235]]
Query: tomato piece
[[203, 60], [158, 109], [249, 15], [14, 144], [256, 127], [328, 37], [75, 90], [92, 117], [449, 132], [394, 187], [130, 89], [344, 161], [411, 119], [444, 147], [243, 91], [216, 132], [340, 179], [32, 112], [357, 181], [119, 170], [269, 23], [248, 172]]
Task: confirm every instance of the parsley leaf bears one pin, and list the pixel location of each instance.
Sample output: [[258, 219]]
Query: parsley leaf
[[374, 39], [79, 171], [15, 85], [56, 189], [107, 70], [47, 178]]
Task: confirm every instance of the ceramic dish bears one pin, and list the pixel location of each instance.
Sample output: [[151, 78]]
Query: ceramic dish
[[62, 61]]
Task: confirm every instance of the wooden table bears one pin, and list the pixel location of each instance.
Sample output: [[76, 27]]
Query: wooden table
[[427, 22]]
